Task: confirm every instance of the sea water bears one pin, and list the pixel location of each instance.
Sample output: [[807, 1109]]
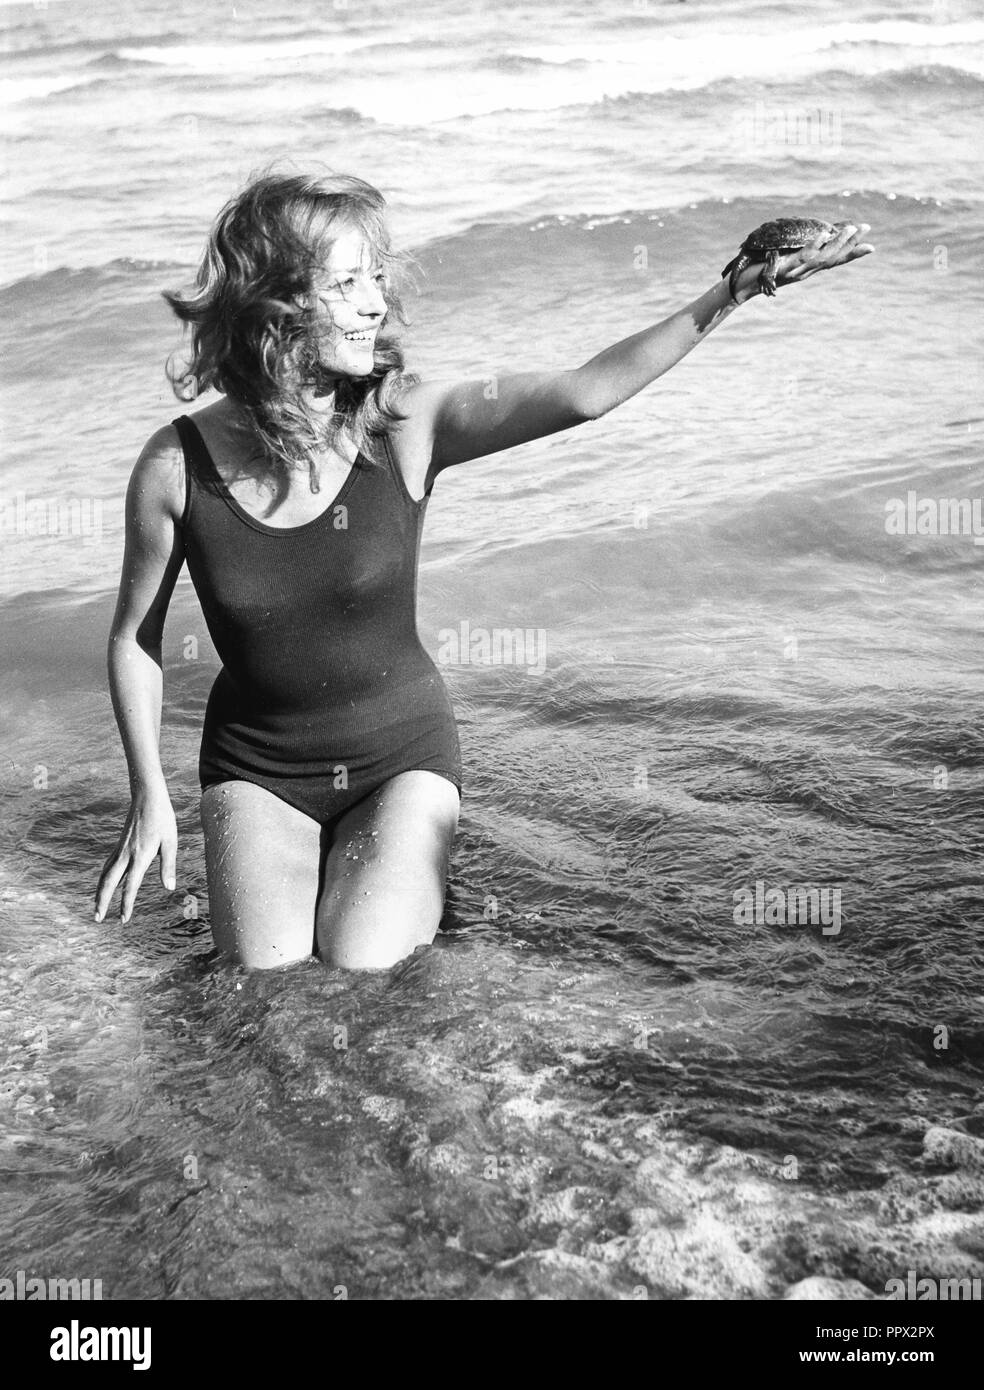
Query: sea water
[[629, 1067]]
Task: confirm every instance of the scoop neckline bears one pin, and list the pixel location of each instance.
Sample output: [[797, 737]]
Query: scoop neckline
[[255, 522]]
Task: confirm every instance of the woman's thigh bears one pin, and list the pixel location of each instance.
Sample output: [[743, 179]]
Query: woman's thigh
[[386, 873], [262, 858]]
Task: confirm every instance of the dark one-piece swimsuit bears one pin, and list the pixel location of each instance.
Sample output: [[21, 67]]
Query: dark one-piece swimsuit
[[325, 691]]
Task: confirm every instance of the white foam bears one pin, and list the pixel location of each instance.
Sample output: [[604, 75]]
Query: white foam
[[647, 65], [239, 57], [14, 89], [444, 97], [651, 64], [745, 54], [654, 65]]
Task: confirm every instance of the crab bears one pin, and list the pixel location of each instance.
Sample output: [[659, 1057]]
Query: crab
[[772, 240]]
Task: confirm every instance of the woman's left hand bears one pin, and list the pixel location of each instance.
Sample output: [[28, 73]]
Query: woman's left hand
[[819, 255]]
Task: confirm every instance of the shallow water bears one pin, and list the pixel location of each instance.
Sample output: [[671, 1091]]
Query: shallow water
[[597, 1083]]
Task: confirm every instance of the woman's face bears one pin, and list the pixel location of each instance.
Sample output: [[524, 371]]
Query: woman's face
[[350, 306]]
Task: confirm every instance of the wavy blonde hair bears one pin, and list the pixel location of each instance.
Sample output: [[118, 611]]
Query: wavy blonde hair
[[254, 318]]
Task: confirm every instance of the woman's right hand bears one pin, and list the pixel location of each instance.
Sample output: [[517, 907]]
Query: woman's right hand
[[150, 829]]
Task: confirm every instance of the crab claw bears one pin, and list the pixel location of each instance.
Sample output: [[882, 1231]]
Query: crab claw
[[732, 270], [767, 275]]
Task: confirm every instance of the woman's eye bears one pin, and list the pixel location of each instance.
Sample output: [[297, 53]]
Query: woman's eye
[[340, 286]]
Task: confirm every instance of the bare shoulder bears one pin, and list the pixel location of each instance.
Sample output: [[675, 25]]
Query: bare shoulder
[[157, 483]]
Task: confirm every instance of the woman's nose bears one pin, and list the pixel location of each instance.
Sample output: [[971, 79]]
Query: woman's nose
[[372, 301]]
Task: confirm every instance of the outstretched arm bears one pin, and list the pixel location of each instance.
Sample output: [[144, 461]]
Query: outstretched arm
[[452, 421]]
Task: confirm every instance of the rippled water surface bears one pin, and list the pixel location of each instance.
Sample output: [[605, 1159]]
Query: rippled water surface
[[600, 1082]]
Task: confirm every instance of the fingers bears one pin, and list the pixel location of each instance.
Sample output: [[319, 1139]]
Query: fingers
[[113, 871], [169, 863], [846, 245], [134, 878], [134, 866], [845, 231], [795, 267]]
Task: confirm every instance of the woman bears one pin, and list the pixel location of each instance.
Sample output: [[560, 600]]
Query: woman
[[329, 762]]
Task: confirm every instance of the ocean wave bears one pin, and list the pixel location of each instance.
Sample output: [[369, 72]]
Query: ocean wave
[[81, 280], [211, 58], [930, 77], [255, 52], [102, 45], [523, 62], [555, 76], [18, 89], [190, 58], [344, 115], [711, 214], [483, 242], [566, 77], [92, 84], [111, 60], [768, 48], [582, 96], [698, 62]]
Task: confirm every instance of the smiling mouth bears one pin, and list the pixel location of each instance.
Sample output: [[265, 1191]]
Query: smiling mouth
[[359, 337]]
